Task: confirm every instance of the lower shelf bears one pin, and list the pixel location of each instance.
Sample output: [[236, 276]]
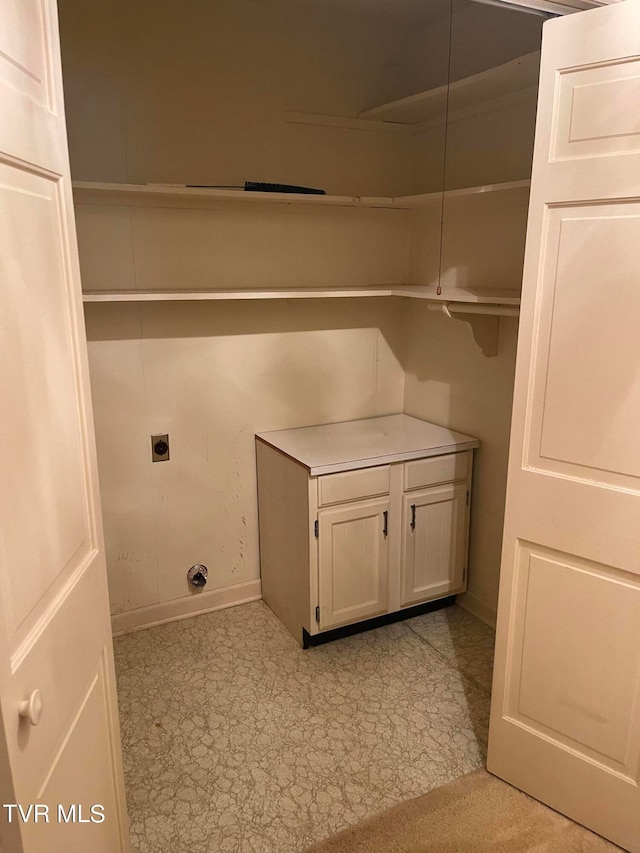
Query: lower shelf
[[208, 295], [309, 640], [457, 295], [463, 304]]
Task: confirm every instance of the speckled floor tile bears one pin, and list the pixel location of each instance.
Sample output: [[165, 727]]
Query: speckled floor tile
[[461, 638], [235, 739]]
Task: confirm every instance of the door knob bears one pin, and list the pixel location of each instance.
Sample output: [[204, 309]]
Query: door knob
[[31, 708]]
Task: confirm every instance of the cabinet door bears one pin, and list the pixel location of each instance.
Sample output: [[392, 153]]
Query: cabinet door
[[434, 545], [352, 562]]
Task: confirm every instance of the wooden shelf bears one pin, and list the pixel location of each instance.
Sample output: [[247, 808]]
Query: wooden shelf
[[345, 123], [85, 192], [217, 295], [408, 202], [513, 76], [88, 192], [459, 295]]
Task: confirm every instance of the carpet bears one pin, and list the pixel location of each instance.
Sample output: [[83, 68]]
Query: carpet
[[476, 813]]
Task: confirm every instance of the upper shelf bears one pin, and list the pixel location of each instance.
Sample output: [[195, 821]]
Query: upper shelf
[[513, 76], [97, 192], [408, 202], [90, 192]]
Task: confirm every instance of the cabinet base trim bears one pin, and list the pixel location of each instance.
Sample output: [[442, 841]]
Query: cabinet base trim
[[309, 640]]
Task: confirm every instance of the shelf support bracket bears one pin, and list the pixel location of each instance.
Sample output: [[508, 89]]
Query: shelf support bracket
[[485, 331], [482, 319]]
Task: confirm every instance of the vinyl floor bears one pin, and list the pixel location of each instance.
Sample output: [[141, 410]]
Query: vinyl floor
[[236, 739]]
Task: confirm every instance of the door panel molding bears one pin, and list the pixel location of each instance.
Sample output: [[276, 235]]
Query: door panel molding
[[48, 609], [593, 711], [596, 111], [92, 713], [582, 283], [24, 63]]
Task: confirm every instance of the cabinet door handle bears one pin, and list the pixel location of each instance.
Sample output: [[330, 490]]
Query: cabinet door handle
[[385, 529], [413, 516]]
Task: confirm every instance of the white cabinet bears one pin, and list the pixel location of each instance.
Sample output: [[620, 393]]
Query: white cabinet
[[361, 519]]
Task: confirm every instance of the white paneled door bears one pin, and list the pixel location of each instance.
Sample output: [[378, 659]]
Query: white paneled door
[[59, 736], [565, 722]]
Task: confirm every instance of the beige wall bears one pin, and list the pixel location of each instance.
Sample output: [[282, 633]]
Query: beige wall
[[493, 146], [240, 245], [484, 36], [197, 92], [448, 381], [212, 375], [483, 240]]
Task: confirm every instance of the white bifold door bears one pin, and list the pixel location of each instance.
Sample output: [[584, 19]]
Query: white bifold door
[[565, 721], [59, 736]]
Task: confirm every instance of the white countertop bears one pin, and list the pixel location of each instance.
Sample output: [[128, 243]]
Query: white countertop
[[331, 448]]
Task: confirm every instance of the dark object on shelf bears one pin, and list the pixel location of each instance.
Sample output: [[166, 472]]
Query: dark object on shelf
[[257, 186], [254, 187]]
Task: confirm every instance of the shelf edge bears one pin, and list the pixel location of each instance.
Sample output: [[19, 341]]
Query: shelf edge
[[98, 192], [517, 69], [407, 290]]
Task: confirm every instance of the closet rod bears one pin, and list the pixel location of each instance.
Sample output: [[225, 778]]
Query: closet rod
[[450, 308]]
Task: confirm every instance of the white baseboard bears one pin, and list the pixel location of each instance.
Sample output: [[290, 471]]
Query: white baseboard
[[184, 608], [478, 608]]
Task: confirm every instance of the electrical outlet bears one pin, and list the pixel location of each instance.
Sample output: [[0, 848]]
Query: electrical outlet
[[160, 448]]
